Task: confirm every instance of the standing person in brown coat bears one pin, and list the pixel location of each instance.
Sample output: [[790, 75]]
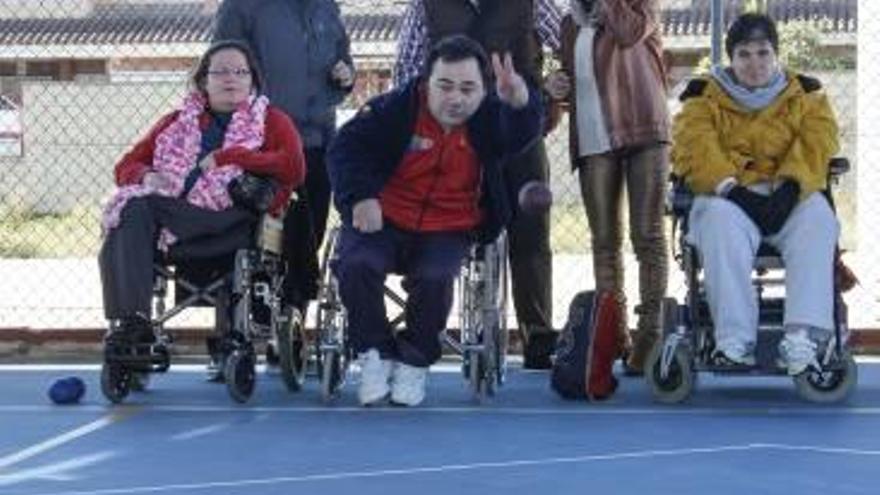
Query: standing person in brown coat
[[614, 82]]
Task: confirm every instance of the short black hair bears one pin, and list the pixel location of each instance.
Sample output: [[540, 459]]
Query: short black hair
[[456, 48], [201, 72], [751, 27]]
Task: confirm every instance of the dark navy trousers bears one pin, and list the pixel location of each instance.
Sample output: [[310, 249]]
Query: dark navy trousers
[[429, 263]]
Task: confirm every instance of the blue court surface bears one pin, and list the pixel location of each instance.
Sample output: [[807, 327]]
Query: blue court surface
[[184, 436]]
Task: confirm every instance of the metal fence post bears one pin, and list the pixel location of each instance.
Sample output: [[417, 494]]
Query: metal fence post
[[717, 30]]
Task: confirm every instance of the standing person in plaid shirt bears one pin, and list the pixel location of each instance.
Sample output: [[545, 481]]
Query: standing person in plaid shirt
[[514, 26]]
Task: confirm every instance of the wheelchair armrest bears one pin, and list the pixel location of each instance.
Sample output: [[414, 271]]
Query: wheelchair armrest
[[680, 197], [269, 234], [838, 166]]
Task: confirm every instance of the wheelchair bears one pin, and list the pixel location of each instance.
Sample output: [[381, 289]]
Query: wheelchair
[[482, 339], [687, 344], [249, 309]]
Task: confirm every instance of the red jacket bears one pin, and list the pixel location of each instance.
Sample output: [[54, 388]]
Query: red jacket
[[436, 187], [280, 157]]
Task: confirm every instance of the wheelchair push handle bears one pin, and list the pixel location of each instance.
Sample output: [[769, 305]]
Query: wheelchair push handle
[[838, 166]]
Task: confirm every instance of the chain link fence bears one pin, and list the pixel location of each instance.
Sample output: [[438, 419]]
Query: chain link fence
[[82, 80]]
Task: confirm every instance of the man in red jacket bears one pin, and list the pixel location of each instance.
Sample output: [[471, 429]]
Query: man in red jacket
[[416, 177]]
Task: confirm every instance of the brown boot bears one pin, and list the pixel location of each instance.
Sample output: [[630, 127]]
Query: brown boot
[[643, 342]]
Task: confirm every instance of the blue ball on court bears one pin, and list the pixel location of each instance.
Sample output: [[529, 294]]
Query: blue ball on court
[[68, 390]]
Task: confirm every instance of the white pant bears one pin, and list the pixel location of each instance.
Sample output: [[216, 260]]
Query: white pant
[[728, 240]]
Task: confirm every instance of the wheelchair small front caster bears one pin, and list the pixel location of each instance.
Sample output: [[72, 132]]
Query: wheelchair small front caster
[[482, 383], [678, 381], [332, 374], [116, 381], [293, 353], [830, 385], [240, 374]]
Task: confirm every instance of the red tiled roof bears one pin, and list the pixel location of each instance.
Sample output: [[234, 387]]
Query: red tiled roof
[[187, 22]]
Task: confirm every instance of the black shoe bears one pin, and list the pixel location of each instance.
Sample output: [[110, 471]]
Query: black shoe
[[538, 351], [137, 330]]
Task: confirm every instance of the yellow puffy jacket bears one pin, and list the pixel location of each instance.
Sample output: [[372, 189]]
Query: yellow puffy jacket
[[792, 138]]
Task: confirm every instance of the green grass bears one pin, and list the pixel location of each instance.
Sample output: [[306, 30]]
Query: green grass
[[30, 234]]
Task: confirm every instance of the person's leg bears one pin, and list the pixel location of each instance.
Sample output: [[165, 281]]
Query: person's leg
[[601, 181], [727, 241], [126, 262], [432, 262], [304, 229], [531, 260], [646, 174], [127, 254], [318, 189], [361, 266], [807, 243]]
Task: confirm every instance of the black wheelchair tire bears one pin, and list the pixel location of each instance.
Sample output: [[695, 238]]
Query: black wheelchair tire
[[115, 382], [241, 376], [292, 350], [331, 375]]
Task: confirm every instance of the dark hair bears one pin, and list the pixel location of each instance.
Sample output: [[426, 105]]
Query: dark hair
[[751, 27], [456, 48], [201, 73]]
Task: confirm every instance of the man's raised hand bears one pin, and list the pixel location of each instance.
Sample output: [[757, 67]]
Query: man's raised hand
[[509, 85]]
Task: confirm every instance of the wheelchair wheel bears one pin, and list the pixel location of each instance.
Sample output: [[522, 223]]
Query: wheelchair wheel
[[679, 382], [833, 385], [240, 374], [115, 382], [482, 384], [293, 353], [332, 374]]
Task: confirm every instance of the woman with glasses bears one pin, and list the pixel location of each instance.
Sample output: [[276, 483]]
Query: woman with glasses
[[172, 187]]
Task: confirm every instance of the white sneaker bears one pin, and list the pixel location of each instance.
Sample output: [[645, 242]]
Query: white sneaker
[[408, 384], [798, 351], [734, 354], [375, 373]]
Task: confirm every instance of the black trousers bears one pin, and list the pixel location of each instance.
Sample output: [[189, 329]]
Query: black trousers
[[429, 263], [304, 228], [129, 250], [531, 260]]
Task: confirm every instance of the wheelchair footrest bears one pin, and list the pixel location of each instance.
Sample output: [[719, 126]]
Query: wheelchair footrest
[[140, 358]]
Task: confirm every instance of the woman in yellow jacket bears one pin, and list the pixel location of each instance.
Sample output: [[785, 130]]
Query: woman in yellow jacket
[[753, 141]]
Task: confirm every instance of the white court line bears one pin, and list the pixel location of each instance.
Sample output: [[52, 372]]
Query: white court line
[[485, 410], [59, 471], [57, 441], [200, 432], [463, 467]]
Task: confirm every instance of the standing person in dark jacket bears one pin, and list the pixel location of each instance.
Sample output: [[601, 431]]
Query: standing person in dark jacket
[[515, 26], [303, 50], [416, 175]]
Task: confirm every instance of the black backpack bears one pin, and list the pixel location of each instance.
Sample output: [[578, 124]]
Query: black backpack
[[588, 347]]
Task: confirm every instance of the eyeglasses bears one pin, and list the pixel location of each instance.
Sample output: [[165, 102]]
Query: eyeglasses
[[229, 72]]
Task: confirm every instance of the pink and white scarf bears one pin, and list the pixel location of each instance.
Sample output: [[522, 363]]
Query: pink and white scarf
[[177, 148]]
